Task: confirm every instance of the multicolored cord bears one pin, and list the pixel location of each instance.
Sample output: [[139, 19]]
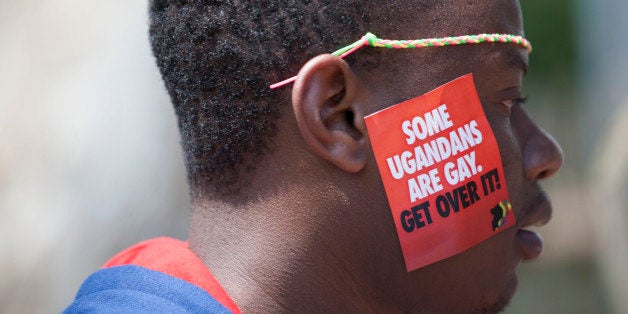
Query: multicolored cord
[[371, 40]]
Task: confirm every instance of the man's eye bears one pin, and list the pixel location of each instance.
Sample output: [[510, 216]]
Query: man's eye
[[512, 102]]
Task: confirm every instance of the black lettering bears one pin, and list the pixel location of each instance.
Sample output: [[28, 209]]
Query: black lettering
[[484, 187], [453, 201], [472, 188], [464, 198], [497, 183], [417, 217], [488, 181], [407, 223], [426, 210], [440, 202]]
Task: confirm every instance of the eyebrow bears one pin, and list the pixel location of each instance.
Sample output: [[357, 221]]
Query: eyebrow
[[514, 60]]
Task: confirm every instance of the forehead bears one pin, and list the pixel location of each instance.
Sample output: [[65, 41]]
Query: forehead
[[426, 69], [511, 58], [451, 18]]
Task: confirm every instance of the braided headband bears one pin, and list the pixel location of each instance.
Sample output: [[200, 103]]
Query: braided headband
[[372, 40]]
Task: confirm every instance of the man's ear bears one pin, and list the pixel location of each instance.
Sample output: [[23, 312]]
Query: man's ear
[[324, 98]]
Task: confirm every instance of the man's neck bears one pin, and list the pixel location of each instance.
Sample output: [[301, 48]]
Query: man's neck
[[269, 256]]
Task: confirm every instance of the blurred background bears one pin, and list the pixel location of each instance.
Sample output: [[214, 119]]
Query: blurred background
[[90, 161]]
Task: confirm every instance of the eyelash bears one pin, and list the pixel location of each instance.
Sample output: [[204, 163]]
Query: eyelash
[[517, 101]]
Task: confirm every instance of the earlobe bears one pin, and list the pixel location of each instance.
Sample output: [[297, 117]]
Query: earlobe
[[326, 106]]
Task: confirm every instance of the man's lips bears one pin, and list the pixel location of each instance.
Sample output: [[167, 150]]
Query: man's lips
[[530, 244], [538, 213]]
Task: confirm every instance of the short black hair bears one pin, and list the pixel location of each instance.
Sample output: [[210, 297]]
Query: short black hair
[[217, 59]]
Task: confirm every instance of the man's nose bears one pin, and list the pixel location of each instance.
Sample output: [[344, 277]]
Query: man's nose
[[542, 155]]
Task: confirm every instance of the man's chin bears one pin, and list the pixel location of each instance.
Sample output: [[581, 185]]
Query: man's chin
[[502, 300]]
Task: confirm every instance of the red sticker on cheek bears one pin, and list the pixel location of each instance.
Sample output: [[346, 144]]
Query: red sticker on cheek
[[442, 172]]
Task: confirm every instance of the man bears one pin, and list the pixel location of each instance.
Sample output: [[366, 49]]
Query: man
[[289, 212]]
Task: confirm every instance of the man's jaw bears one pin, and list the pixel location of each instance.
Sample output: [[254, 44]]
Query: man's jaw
[[538, 213]]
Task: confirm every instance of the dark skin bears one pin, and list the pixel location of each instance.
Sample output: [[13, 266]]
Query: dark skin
[[318, 234]]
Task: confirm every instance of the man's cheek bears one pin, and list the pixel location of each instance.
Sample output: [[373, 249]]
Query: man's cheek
[[442, 171], [510, 151]]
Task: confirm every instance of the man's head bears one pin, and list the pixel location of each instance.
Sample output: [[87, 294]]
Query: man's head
[[217, 59], [311, 217]]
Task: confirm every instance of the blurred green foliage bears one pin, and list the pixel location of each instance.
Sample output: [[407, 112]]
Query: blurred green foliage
[[549, 25], [568, 287]]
